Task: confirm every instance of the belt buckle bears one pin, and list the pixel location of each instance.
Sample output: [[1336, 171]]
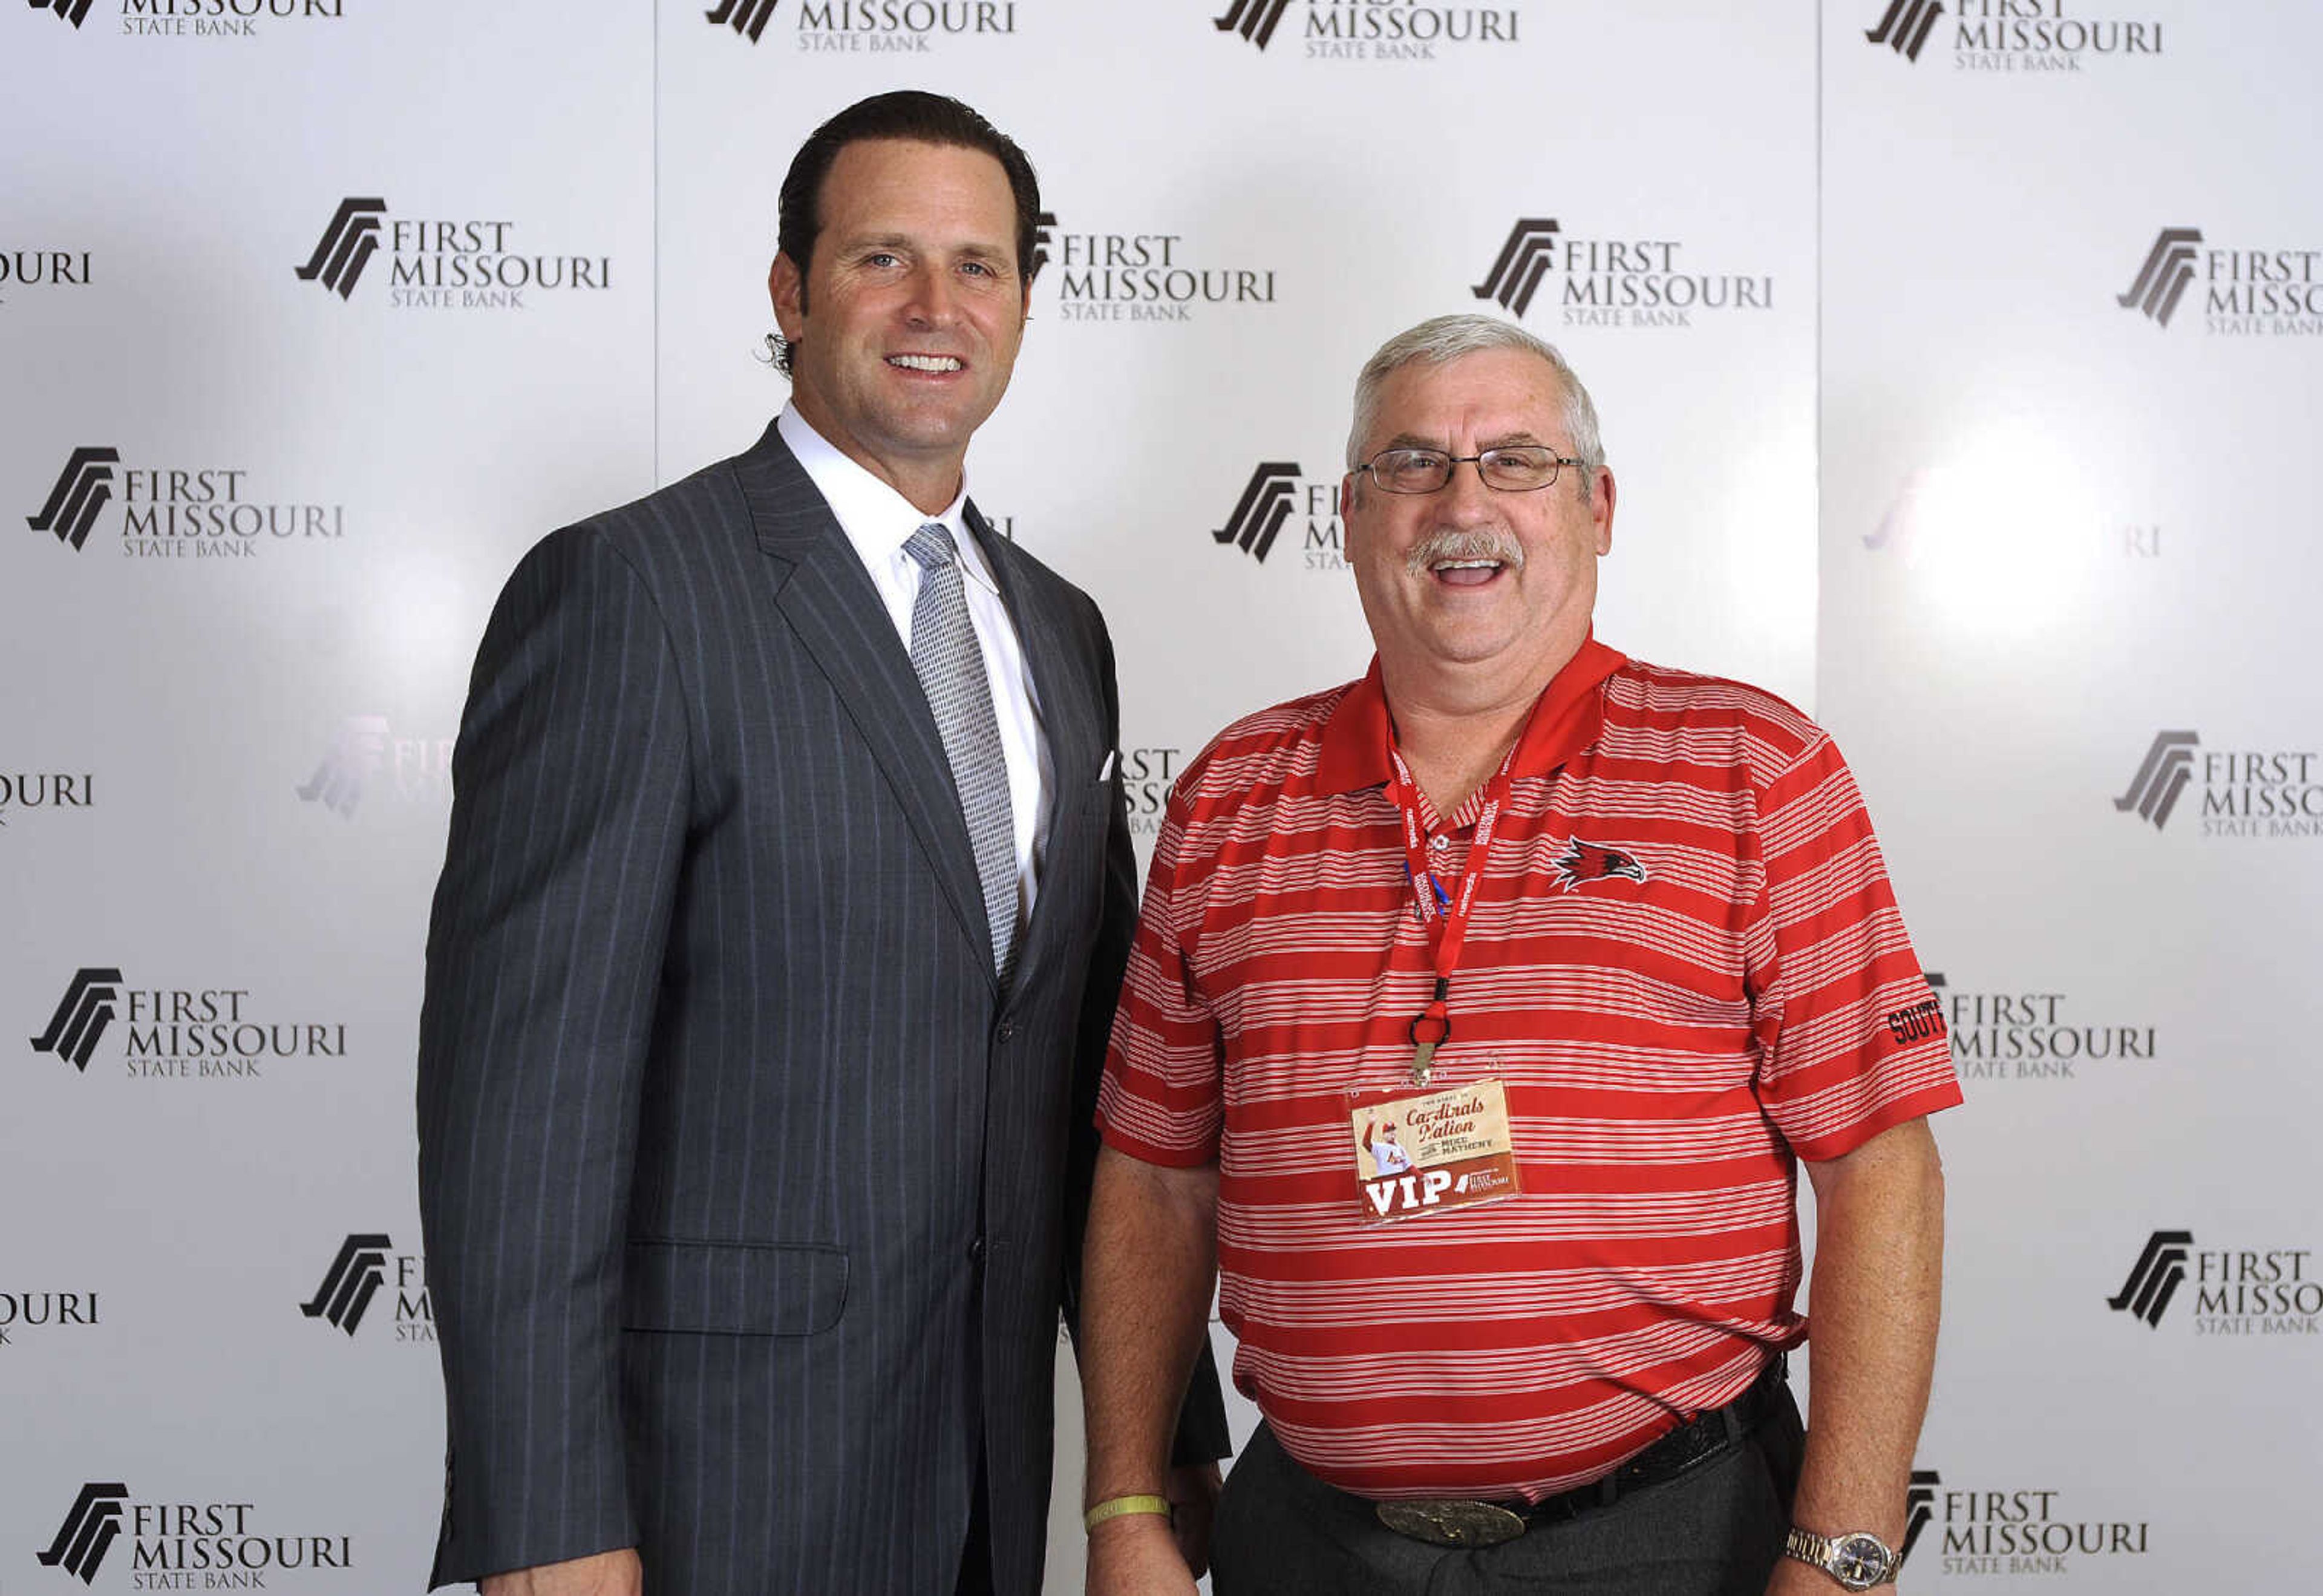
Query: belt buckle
[[1452, 1521]]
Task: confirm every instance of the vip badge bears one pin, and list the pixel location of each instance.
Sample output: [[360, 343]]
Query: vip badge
[[1420, 1154]]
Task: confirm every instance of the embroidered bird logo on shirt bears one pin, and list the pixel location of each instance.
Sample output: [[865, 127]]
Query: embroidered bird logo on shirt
[[1581, 862]]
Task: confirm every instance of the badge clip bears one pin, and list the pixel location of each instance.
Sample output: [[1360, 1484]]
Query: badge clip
[[1430, 1029]]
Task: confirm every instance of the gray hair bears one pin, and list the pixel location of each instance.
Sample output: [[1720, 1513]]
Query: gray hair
[[1447, 338]]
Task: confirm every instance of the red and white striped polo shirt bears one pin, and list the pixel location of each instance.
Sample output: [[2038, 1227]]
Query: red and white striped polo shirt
[[1667, 1043]]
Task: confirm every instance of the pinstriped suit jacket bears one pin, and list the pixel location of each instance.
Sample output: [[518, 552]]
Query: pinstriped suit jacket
[[743, 1182]]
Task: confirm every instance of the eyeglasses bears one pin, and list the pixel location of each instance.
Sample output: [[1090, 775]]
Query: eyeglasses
[[1520, 468]]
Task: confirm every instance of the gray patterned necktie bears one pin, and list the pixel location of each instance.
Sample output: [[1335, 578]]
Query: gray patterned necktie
[[950, 668]]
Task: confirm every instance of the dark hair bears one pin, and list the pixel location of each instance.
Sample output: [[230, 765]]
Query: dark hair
[[906, 114]]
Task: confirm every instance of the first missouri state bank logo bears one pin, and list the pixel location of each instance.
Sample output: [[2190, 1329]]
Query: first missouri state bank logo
[[1254, 19], [2244, 792], [366, 755], [82, 1017], [2266, 292], [2251, 1291], [1147, 774], [1266, 503], [869, 26], [359, 1270], [1523, 260], [1140, 276], [2154, 1277], [358, 751], [75, 12], [83, 488], [1045, 226], [465, 263], [357, 1273], [1633, 281], [34, 791], [2162, 281], [2018, 1031], [347, 245], [41, 269], [2168, 767], [2024, 38], [1371, 30], [1277, 495], [179, 1032], [2015, 1530], [746, 17], [88, 1532], [1919, 1507], [198, 19], [182, 1543], [180, 512], [1905, 27]]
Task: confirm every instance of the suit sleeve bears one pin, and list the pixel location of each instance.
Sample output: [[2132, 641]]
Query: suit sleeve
[[1202, 1434], [544, 954]]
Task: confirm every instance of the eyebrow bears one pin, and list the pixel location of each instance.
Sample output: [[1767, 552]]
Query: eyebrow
[[1509, 440], [901, 241]]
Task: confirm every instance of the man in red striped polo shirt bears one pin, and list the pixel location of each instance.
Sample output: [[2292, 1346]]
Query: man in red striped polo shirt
[[1614, 948]]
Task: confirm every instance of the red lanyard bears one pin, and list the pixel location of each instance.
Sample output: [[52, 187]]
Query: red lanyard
[[1432, 1026]]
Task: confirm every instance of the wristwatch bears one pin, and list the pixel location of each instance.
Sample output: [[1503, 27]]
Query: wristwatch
[[1857, 1560]]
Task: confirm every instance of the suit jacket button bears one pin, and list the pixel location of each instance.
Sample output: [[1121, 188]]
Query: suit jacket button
[[1007, 1032], [976, 1252]]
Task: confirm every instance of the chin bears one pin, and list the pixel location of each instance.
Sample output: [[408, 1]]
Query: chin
[[1469, 647]]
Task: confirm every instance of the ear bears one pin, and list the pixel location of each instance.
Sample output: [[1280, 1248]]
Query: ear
[[1354, 496], [1601, 508], [786, 287]]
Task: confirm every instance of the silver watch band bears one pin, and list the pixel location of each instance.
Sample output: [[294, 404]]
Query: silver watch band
[[1857, 1560]]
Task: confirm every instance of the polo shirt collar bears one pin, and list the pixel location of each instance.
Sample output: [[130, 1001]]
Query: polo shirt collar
[[1564, 719]]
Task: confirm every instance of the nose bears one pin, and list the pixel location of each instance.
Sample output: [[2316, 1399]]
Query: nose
[[932, 301], [1466, 500]]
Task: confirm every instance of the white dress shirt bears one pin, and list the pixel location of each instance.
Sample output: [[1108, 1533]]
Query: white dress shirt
[[879, 521]]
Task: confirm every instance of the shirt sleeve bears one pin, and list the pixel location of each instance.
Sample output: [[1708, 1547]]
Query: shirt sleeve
[[1852, 1038], [1161, 1100]]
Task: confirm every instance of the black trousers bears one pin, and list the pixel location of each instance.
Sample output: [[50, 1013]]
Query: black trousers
[[1715, 1530], [975, 1555]]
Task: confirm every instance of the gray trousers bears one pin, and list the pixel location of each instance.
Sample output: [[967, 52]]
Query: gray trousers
[[1715, 1530]]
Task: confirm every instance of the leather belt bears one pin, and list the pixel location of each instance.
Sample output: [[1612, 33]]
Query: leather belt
[[1463, 1522]]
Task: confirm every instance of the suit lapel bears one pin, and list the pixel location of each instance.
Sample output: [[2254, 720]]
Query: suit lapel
[[1071, 719], [827, 599]]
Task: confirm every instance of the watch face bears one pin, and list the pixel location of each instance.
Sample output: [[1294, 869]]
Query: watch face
[[1859, 1561]]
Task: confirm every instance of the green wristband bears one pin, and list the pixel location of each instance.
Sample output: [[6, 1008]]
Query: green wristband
[[1116, 1507]]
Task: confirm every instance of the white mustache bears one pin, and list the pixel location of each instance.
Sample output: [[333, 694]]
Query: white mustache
[[1473, 542]]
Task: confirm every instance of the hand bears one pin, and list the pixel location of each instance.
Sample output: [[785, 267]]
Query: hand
[[1193, 1493], [1136, 1554], [608, 1574]]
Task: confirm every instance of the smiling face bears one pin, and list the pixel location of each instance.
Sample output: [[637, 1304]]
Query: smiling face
[[906, 321], [1468, 584]]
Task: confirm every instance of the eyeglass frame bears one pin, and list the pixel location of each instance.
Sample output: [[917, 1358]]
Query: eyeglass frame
[[1556, 464]]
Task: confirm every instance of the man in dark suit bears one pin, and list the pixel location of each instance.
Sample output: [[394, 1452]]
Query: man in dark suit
[[785, 903]]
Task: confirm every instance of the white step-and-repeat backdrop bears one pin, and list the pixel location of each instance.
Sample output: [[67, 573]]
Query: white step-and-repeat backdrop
[[1958, 359]]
